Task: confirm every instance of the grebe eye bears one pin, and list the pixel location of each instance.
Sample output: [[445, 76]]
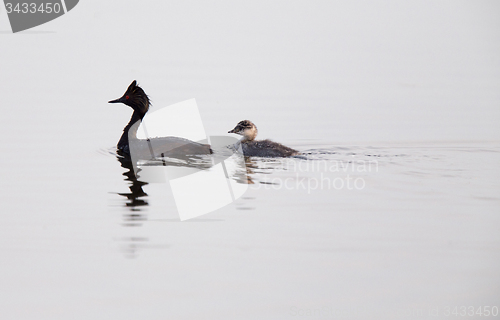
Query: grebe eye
[[126, 97]]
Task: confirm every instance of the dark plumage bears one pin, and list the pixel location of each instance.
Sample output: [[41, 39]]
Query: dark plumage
[[138, 100]]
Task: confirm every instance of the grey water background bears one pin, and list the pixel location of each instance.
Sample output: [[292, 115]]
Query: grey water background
[[413, 86]]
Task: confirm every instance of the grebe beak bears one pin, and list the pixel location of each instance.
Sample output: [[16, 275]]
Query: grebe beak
[[120, 100]]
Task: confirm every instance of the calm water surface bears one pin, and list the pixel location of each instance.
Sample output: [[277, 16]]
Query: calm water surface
[[418, 223], [392, 212]]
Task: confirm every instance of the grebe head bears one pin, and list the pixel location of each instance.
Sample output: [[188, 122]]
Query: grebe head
[[247, 129], [135, 98]]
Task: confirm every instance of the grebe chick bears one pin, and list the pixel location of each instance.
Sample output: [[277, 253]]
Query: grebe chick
[[138, 100], [259, 148]]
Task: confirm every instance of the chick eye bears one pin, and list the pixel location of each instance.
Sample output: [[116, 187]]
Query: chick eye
[[126, 97]]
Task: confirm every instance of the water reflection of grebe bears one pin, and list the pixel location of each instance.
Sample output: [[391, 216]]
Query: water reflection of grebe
[[135, 201]]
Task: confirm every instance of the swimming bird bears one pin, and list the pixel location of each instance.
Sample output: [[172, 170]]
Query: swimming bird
[[138, 100], [259, 148]]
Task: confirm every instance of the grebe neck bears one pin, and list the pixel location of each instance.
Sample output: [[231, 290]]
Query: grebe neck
[[249, 134], [136, 116]]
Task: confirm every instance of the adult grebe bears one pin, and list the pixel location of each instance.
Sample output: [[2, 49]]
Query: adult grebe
[[138, 100], [259, 148]]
